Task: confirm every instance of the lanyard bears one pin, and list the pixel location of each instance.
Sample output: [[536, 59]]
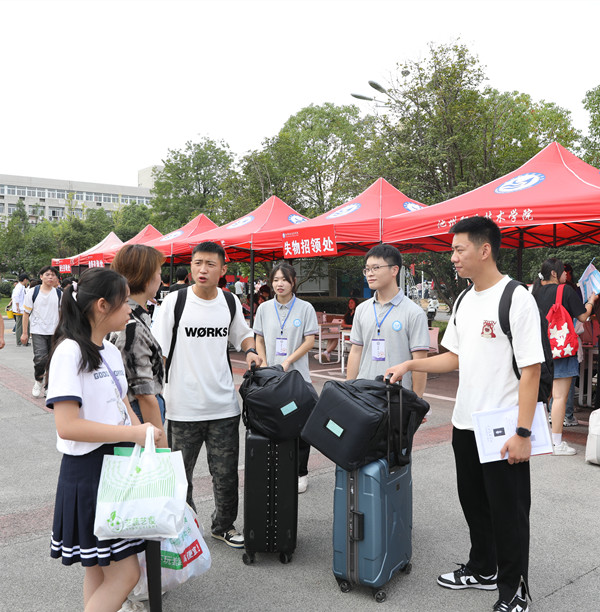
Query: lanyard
[[382, 320], [282, 325], [112, 375]]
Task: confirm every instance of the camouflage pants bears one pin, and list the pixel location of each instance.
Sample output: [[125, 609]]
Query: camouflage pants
[[222, 451]]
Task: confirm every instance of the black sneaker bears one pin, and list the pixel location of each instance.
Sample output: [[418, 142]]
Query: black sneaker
[[232, 538], [464, 578], [518, 604]]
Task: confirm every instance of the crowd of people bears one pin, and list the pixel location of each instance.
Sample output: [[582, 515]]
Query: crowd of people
[[110, 369]]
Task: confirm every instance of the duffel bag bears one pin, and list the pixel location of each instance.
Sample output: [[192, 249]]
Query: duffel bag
[[276, 404], [350, 422]]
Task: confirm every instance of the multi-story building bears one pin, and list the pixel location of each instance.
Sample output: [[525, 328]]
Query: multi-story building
[[54, 199]]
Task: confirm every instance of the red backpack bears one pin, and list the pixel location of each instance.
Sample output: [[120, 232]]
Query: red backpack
[[563, 339]]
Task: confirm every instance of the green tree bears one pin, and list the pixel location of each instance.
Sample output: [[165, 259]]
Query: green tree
[[591, 142], [312, 164], [131, 219], [14, 240], [191, 183], [41, 246]]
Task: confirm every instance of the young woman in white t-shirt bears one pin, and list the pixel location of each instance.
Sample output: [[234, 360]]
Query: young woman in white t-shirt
[[87, 389]]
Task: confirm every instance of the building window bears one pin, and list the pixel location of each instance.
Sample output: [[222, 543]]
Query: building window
[[61, 194], [106, 197], [41, 193], [114, 198], [98, 203], [11, 190], [2, 207], [2, 187], [56, 213], [52, 193], [21, 191], [89, 197]]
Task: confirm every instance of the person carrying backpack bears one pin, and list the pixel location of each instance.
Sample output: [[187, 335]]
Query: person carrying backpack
[[193, 328], [495, 497], [560, 304], [40, 310]]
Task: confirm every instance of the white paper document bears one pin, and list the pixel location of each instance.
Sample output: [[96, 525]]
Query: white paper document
[[494, 427]]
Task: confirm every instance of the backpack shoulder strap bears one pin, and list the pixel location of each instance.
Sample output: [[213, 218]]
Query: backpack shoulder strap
[[459, 300], [559, 294], [231, 304], [36, 291], [179, 306], [230, 299], [504, 316]]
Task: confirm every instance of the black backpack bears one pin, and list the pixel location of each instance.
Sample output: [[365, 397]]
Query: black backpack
[[36, 291], [547, 369], [179, 306]]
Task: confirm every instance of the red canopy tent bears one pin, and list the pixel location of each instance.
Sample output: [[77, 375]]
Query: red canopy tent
[[92, 257], [238, 237], [357, 223], [168, 244], [550, 201], [143, 237]]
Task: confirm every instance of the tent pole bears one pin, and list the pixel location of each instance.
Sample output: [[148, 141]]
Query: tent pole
[[251, 287], [171, 271], [520, 257]]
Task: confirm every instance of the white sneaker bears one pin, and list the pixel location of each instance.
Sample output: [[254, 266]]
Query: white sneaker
[[37, 389], [564, 449], [132, 606], [302, 484]]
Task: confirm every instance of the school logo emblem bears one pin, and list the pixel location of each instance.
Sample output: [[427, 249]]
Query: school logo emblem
[[297, 322], [396, 325], [343, 211], [523, 181], [412, 206], [172, 235], [295, 219], [241, 222], [487, 331]]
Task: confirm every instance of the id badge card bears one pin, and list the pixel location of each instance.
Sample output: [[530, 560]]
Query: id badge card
[[281, 347], [378, 349]]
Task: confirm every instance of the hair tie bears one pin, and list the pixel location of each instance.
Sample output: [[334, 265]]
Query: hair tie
[[74, 290], [540, 276]]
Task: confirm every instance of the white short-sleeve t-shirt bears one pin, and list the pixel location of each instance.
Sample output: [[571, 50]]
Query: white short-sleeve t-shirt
[[44, 312], [486, 376], [96, 392], [200, 386]]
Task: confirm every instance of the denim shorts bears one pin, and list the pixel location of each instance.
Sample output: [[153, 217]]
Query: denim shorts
[[566, 367]]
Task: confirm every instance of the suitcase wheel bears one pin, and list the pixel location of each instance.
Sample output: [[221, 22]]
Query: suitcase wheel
[[379, 595], [248, 558], [285, 557], [407, 568], [345, 586]]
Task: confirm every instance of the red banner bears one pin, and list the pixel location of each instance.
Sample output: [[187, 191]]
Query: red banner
[[64, 268], [96, 263], [310, 242]]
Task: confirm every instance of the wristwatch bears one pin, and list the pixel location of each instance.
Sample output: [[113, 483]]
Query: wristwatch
[[250, 350], [523, 432]]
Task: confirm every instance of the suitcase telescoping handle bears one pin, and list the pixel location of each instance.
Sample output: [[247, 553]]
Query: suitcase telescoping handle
[[391, 439]]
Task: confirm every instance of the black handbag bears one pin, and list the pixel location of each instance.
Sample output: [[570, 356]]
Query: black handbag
[[276, 404], [351, 422]]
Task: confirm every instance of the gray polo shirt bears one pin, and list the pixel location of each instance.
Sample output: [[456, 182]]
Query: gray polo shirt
[[403, 326], [297, 322]]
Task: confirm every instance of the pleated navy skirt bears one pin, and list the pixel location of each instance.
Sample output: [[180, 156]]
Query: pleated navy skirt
[[73, 536]]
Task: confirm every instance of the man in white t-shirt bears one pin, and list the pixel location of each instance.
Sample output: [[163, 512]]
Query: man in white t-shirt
[[200, 395], [495, 497], [17, 299], [41, 310], [239, 288]]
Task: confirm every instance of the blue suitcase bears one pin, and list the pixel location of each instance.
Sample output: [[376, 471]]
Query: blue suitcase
[[372, 524]]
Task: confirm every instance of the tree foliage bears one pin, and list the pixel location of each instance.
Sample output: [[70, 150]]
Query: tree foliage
[[591, 142], [191, 183]]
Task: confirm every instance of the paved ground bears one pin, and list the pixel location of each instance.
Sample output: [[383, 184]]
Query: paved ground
[[565, 541]]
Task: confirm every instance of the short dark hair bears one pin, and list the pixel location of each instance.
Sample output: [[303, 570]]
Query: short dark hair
[[210, 247], [46, 268], [390, 254], [23, 277], [181, 273], [480, 230]]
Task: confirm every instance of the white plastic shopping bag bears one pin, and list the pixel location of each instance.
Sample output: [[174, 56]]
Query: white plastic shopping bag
[[142, 496], [592, 447], [181, 558]]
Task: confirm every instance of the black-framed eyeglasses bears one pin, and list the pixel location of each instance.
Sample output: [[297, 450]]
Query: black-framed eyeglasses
[[376, 269]]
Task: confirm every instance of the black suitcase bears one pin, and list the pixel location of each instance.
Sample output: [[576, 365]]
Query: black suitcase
[[270, 497], [350, 422]]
